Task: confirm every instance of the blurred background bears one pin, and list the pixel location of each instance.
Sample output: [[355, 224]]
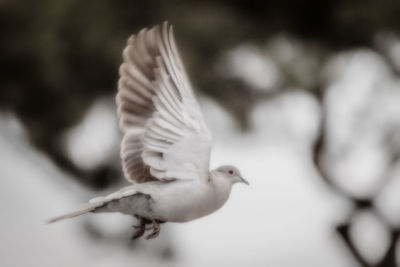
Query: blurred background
[[302, 95]]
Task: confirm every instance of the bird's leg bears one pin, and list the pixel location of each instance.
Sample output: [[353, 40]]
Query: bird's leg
[[156, 230], [141, 228]]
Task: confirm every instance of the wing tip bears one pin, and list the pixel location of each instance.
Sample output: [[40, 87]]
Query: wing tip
[[131, 40]]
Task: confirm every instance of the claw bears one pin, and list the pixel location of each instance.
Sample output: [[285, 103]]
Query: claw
[[156, 230], [137, 234], [141, 228]]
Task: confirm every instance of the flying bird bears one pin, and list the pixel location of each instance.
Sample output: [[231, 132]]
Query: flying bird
[[166, 145]]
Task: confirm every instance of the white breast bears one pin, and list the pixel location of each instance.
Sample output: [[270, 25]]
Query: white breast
[[183, 201]]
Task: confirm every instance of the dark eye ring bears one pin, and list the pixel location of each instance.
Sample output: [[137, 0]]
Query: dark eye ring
[[230, 172]]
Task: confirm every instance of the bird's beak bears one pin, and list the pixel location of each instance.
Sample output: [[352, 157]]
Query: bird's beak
[[242, 180]]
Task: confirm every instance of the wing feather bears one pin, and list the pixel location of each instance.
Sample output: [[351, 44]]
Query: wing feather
[[165, 136]]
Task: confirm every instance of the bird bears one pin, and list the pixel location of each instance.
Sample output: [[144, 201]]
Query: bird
[[166, 144]]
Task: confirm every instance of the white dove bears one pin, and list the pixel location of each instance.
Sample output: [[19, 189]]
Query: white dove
[[166, 146]]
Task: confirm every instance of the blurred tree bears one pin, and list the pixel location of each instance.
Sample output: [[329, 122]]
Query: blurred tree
[[57, 57]]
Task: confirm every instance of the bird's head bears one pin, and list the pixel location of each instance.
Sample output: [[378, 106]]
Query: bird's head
[[231, 173]]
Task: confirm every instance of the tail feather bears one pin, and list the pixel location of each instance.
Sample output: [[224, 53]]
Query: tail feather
[[96, 203], [88, 207]]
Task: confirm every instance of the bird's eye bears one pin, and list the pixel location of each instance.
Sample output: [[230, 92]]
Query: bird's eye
[[230, 172]]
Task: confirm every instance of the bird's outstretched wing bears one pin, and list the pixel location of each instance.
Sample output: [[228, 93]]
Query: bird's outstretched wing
[[165, 136]]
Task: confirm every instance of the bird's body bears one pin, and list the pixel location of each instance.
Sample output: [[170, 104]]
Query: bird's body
[[166, 146], [179, 201]]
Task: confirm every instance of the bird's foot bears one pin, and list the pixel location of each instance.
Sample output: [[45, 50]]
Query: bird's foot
[[156, 230], [140, 229]]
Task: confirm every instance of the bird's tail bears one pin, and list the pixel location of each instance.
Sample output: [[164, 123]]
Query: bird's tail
[[88, 207], [96, 203]]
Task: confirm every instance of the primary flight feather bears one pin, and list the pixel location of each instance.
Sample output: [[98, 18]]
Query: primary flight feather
[[166, 146]]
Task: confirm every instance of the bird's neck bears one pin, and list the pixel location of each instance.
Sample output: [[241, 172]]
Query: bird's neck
[[222, 188]]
